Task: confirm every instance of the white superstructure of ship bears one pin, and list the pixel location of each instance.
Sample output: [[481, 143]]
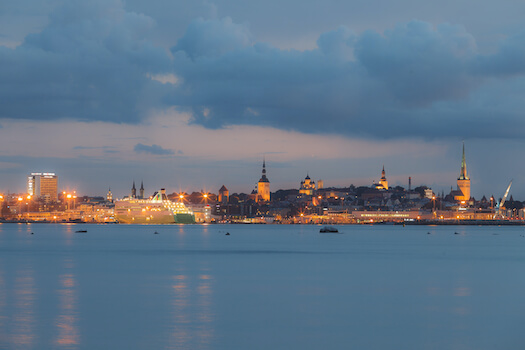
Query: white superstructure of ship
[[157, 210]]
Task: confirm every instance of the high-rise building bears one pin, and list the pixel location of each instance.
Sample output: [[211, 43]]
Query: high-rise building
[[224, 195], [43, 186], [263, 186], [463, 181]]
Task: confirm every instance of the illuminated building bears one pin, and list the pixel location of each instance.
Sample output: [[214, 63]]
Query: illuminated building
[[320, 184], [224, 195], [307, 186], [43, 186], [463, 181], [383, 183], [263, 186], [109, 196]]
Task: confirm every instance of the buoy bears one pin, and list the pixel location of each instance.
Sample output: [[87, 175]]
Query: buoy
[[32, 233]]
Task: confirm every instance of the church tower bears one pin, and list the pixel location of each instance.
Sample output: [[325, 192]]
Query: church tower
[[263, 187], [383, 182], [141, 195], [109, 196], [463, 180], [133, 191]]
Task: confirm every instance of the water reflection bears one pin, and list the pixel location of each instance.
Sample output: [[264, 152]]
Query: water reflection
[[66, 323], [192, 311], [3, 317], [23, 322]]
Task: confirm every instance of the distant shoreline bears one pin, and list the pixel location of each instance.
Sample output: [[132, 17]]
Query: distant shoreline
[[383, 223]]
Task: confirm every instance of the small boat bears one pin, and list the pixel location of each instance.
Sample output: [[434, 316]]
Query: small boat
[[330, 229], [81, 231]]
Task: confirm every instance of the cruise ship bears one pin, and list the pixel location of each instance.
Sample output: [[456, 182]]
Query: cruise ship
[[158, 210]]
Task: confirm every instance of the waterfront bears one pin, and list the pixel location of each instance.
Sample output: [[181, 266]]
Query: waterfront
[[262, 287]]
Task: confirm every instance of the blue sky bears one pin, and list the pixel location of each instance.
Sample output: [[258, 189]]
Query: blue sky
[[191, 95]]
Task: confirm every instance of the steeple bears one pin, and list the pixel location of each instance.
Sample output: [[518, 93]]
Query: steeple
[[263, 177], [383, 181], [463, 181], [263, 186], [133, 191], [463, 173], [141, 194]]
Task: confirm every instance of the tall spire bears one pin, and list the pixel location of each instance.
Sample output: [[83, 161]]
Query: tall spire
[[263, 177], [463, 173]]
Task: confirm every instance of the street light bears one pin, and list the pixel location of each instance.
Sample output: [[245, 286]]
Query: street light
[[20, 199]]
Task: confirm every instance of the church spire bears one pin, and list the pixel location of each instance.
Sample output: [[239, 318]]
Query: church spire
[[263, 177], [463, 173]]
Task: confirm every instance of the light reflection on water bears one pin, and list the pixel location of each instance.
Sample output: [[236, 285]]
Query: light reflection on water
[[192, 314], [23, 321], [67, 319]]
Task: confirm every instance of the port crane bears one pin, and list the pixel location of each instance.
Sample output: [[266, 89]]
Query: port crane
[[501, 204]]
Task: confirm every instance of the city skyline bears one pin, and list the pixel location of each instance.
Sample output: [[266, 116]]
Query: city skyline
[[107, 92], [459, 192]]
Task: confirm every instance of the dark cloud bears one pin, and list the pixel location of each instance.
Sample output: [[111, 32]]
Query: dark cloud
[[89, 63], [212, 38], [94, 61], [153, 149], [413, 80]]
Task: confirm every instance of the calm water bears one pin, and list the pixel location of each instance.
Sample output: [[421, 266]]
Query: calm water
[[262, 287]]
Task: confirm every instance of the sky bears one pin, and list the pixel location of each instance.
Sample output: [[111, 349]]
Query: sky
[[191, 95]]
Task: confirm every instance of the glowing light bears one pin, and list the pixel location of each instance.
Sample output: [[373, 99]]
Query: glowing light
[[68, 196], [28, 197], [20, 199]]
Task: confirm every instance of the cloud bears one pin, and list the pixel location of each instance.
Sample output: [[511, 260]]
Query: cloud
[[153, 149], [95, 61], [212, 38], [414, 80], [89, 63]]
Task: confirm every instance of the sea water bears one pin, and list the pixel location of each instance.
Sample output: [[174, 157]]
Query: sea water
[[261, 287]]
